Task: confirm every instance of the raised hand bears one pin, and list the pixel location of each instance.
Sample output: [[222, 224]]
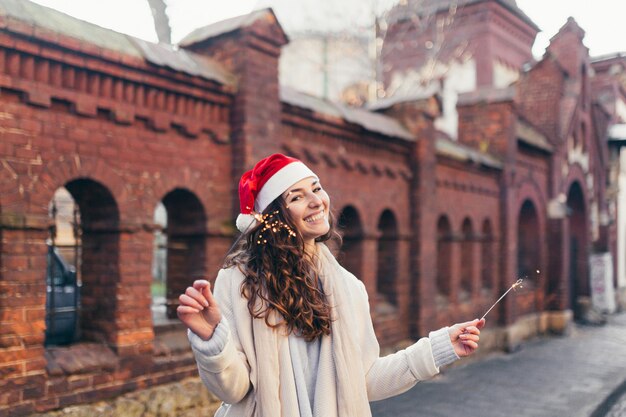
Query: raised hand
[[465, 336], [198, 310]]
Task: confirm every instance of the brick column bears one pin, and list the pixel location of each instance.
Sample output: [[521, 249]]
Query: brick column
[[557, 297], [369, 266], [403, 278], [133, 332], [22, 308], [418, 117]]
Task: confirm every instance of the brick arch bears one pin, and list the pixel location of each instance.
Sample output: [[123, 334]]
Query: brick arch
[[192, 182], [58, 173], [387, 211], [576, 175], [468, 231], [529, 242], [99, 263], [529, 191], [444, 255], [387, 256], [185, 234], [351, 226], [403, 222], [579, 246], [530, 256], [368, 220]]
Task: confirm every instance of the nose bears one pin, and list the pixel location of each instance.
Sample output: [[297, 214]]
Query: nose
[[314, 200]]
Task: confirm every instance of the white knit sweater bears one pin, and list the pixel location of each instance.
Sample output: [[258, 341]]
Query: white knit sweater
[[231, 367]]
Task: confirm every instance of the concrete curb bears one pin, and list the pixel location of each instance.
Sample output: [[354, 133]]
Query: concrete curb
[[608, 403]]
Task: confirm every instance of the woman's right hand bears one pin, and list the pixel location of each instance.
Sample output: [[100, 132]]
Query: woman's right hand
[[198, 310]]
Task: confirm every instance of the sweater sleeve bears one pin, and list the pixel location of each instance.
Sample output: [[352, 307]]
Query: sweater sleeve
[[214, 345], [222, 364], [443, 351], [396, 373]]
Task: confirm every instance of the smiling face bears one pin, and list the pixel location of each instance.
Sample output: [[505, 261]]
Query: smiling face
[[308, 206]]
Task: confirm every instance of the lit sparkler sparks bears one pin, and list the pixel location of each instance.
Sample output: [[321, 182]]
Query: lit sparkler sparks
[[516, 284]]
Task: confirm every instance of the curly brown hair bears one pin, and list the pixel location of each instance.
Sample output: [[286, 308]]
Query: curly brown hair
[[280, 276]]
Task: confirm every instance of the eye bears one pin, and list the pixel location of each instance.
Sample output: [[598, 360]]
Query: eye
[[295, 198], [317, 189]]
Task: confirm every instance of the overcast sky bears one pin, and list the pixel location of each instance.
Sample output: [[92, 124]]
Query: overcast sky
[[602, 20]]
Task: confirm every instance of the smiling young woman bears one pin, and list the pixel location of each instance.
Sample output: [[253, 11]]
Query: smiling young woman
[[286, 330]]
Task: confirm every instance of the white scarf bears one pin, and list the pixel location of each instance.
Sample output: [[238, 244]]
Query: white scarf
[[340, 388]]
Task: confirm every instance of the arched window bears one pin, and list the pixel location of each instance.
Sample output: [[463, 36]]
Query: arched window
[[83, 263], [528, 242], [578, 250], [63, 270], [467, 259], [351, 252], [185, 236], [444, 256], [387, 257]]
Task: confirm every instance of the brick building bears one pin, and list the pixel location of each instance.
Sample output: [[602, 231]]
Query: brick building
[[436, 228]]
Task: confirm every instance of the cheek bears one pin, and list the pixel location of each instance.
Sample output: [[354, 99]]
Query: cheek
[[326, 199], [295, 211]]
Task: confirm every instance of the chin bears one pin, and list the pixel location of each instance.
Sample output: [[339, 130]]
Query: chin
[[317, 232]]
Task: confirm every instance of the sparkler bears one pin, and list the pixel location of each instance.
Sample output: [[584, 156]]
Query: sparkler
[[516, 284]]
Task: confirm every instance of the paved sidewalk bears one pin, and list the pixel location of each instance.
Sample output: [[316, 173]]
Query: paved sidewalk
[[552, 377]]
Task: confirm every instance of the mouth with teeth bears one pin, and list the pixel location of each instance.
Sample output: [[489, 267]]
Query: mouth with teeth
[[315, 217]]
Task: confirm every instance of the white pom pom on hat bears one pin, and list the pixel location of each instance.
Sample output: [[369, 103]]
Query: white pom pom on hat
[[269, 178], [245, 222]]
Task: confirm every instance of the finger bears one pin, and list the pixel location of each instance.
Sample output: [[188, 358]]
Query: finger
[[199, 284], [469, 323], [467, 336], [470, 343], [197, 295], [187, 310], [188, 301], [472, 330], [208, 294], [481, 323]]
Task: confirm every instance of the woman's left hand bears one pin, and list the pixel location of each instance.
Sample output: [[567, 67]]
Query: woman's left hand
[[465, 336]]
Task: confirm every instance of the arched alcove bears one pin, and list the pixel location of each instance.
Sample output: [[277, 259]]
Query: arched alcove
[[387, 264]]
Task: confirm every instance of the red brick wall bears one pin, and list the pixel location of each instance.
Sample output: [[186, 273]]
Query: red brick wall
[[487, 126], [540, 91], [119, 138], [472, 194]]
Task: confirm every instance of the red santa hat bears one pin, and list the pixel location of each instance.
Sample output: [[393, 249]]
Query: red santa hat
[[269, 178]]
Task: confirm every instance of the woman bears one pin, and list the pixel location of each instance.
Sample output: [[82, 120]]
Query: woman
[[287, 331]]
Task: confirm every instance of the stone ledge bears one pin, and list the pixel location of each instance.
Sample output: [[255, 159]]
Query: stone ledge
[[80, 358], [187, 398]]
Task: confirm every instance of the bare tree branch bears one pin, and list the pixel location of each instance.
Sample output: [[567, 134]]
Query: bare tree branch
[[161, 21]]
